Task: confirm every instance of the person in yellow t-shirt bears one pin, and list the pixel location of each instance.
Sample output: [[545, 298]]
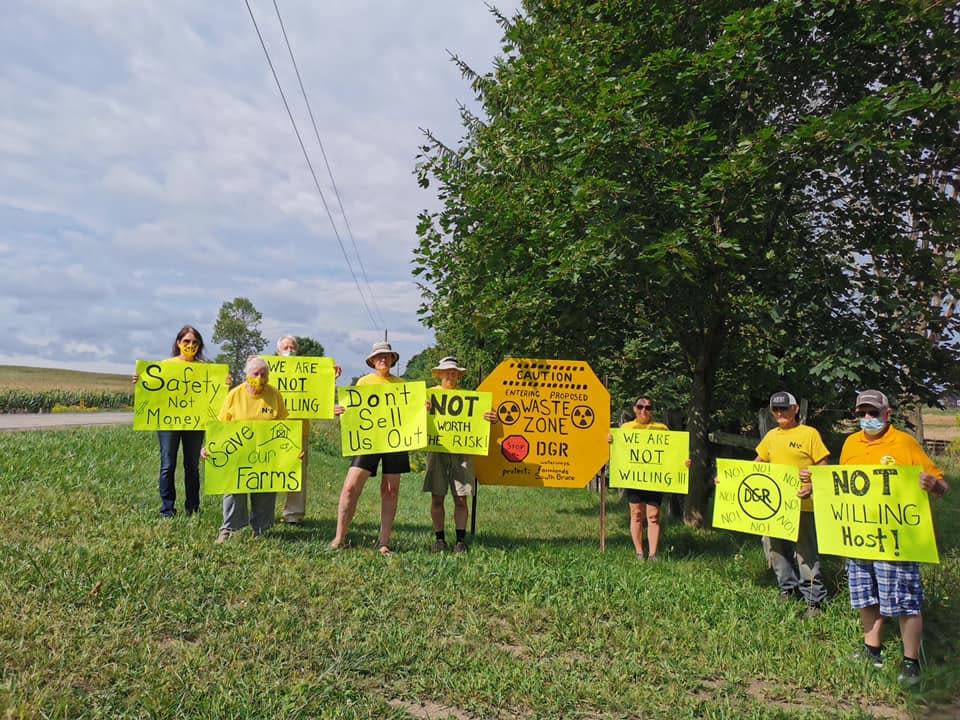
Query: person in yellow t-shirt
[[796, 564], [187, 348], [382, 358], [880, 588], [254, 399], [644, 504]]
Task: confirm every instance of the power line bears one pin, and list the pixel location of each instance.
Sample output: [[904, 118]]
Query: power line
[[306, 157], [326, 162]]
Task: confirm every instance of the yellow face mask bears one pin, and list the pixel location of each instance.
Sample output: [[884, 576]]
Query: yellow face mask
[[188, 350], [256, 382]]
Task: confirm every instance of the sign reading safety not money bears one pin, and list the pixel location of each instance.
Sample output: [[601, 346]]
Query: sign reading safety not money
[[554, 418], [252, 456], [649, 460], [178, 395], [308, 385], [757, 498], [383, 418], [873, 512], [455, 422]]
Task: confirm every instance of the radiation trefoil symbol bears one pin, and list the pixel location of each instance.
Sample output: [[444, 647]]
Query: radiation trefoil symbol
[[509, 412], [582, 416]]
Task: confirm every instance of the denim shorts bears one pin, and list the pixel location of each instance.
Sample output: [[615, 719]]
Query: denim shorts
[[894, 586]]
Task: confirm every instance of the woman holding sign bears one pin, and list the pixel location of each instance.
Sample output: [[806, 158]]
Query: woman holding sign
[[382, 358], [644, 504], [450, 471], [187, 348], [255, 399]]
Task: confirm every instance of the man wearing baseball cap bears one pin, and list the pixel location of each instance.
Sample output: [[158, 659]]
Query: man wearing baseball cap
[[879, 588], [796, 564]]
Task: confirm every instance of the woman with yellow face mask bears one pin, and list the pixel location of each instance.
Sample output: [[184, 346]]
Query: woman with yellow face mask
[[187, 348]]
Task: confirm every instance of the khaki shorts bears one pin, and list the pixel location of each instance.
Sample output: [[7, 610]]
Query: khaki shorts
[[449, 472]]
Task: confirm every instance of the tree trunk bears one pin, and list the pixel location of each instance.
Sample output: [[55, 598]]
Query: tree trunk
[[701, 401]]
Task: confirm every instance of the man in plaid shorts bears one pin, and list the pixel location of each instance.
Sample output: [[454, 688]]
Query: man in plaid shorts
[[878, 588]]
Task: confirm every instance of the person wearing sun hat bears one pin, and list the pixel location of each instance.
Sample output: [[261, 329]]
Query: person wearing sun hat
[[795, 564], [450, 471], [880, 588], [382, 358]]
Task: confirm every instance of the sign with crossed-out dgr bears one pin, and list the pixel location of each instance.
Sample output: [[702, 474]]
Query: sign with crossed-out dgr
[[757, 498]]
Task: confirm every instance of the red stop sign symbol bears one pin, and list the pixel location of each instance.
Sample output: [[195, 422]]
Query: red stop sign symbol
[[515, 448]]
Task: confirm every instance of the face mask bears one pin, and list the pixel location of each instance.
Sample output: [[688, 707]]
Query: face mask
[[871, 426], [188, 351], [256, 382], [285, 353]]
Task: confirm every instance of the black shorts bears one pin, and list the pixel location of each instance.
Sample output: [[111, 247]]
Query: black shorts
[[393, 463], [647, 497]]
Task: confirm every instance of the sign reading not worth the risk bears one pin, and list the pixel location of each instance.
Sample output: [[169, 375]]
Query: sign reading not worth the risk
[[554, 416]]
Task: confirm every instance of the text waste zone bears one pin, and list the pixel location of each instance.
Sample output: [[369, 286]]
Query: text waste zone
[[553, 416]]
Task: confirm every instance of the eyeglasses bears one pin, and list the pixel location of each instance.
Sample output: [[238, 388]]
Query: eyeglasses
[[647, 408], [867, 413]]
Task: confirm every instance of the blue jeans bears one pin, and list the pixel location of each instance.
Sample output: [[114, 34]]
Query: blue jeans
[[170, 441]]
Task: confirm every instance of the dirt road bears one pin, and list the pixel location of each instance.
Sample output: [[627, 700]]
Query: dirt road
[[58, 421]]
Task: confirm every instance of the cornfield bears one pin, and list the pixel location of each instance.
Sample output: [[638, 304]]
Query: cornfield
[[35, 401]]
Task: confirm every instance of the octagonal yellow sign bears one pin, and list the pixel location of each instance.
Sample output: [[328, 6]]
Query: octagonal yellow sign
[[554, 419]]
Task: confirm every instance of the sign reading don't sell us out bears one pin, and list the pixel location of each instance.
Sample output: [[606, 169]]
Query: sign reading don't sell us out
[[554, 416]]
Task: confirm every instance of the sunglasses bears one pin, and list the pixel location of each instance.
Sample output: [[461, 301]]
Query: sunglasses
[[190, 343], [867, 413], [644, 407]]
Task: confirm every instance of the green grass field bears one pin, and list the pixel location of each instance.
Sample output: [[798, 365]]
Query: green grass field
[[15, 377], [107, 611]]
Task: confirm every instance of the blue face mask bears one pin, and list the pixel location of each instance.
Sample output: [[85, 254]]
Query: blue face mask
[[871, 426]]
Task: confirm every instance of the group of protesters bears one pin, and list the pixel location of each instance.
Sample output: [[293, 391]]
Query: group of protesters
[[878, 589]]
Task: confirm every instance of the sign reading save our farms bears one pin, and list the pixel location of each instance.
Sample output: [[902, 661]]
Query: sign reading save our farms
[[178, 395], [308, 385], [455, 422], [873, 512], [757, 498], [252, 456], [554, 418], [383, 418], [649, 460]]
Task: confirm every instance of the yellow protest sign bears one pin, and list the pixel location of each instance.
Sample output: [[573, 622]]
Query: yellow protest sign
[[308, 385], [455, 422], [252, 456], [757, 498], [873, 512], [554, 417], [383, 418], [178, 395], [649, 460]]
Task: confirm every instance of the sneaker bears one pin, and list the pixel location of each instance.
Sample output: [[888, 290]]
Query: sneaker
[[224, 535], [787, 596], [813, 611], [439, 546], [460, 547], [909, 673], [865, 655]]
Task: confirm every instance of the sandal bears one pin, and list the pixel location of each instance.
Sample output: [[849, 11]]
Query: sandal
[[345, 545], [384, 551]]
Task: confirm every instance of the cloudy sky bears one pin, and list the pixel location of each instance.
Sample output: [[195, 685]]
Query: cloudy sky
[[150, 171]]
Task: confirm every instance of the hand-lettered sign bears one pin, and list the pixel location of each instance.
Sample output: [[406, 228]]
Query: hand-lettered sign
[[178, 395], [455, 422], [308, 384], [873, 512], [252, 456], [757, 498], [649, 460], [383, 418], [554, 417]]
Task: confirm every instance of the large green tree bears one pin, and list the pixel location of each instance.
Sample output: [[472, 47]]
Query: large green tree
[[309, 347], [237, 331], [708, 198]]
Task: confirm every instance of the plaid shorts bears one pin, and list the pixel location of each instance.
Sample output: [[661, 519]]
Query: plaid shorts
[[894, 586]]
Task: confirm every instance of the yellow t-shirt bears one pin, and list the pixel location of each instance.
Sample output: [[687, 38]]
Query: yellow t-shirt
[[635, 425], [894, 447], [241, 405], [799, 446], [374, 379]]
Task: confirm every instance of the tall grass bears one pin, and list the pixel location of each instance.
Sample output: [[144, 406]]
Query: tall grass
[[108, 611]]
